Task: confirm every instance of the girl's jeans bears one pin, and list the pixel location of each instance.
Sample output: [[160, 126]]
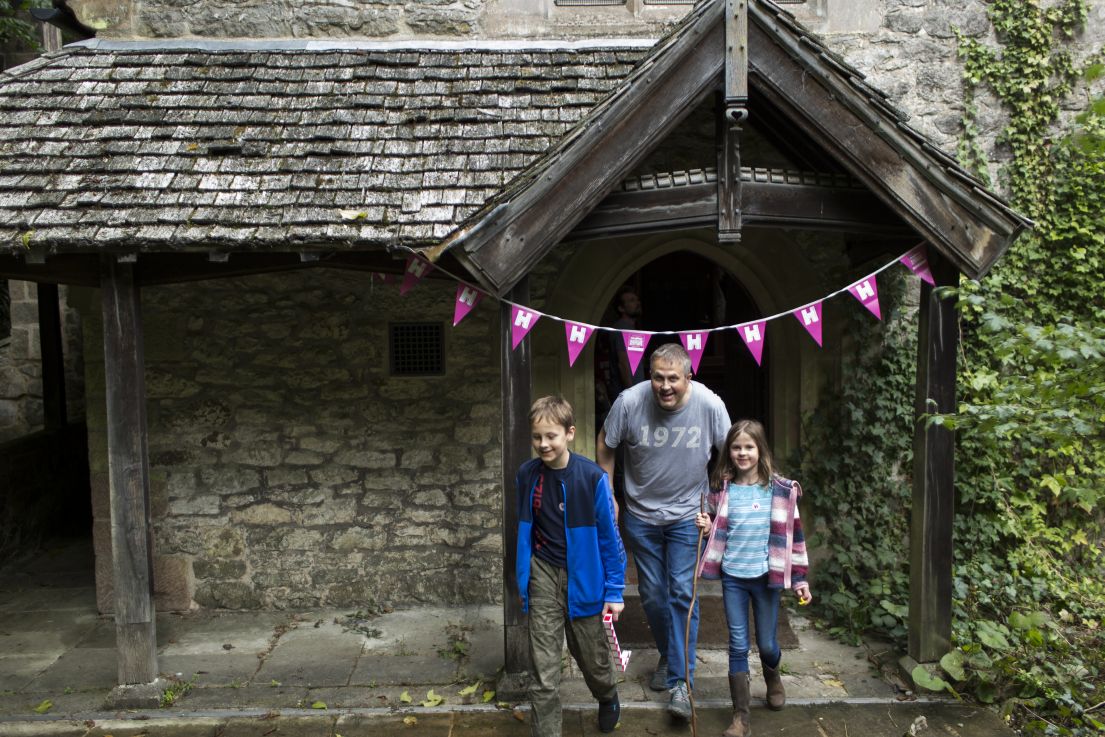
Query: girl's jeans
[[738, 593]]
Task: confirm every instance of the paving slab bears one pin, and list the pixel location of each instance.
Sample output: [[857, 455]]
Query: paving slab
[[79, 669], [246, 697], [17, 671], [401, 670], [195, 633], [214, 669]]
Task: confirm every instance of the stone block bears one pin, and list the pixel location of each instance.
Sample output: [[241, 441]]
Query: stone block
[[222, 570], [262, 514], [359, 538], [173, 583], [222, 480], [226, 595], [224, 542], [367, 459], [200, 504]]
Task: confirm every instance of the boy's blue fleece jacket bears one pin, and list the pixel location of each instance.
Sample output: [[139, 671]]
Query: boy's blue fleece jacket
[[596, 558]]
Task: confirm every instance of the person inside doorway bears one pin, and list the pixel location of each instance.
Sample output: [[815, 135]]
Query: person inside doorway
[[622, 375], [668, 427]]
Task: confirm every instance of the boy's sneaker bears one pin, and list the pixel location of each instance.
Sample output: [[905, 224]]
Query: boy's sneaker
[[609, 714], [680, 704], [659, 680]]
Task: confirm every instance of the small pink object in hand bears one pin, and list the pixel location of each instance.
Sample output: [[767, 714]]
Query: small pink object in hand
[[621, 657]]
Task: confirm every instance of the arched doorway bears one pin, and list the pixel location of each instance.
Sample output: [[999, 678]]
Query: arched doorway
[[687, 291]]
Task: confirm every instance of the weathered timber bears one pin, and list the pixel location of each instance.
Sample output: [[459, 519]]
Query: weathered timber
[[873, 149], [729, 183], [736, 53], [53, 360], [930, 572], [517, 391], [129, 474], [513, 238], [762, 204]]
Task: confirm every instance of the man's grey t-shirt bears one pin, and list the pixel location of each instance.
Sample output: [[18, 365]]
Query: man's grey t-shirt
[[666, 452]]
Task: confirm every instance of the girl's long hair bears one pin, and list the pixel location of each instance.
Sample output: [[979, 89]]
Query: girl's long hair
[[724, 470]]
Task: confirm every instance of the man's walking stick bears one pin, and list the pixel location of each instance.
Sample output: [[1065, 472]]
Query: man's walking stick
[[687, 630]]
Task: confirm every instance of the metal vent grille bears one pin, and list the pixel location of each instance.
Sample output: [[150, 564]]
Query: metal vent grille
[[416, 349], [670, 2]]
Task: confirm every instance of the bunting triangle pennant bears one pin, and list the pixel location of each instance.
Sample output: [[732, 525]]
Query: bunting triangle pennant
[[466, 301], [522, 320], [753, 335], [867, 292], [417, 267], [635, 345], [810, 317], [578, 334], [695, 343], [918, 262]]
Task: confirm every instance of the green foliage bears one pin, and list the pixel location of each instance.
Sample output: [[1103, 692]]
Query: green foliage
[[15, 28], [857, 455], [1029, 597]]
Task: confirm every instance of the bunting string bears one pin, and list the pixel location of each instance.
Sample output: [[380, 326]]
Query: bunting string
[[577, 334]]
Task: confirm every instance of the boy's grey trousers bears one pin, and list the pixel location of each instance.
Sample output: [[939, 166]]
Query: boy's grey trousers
[[548, 625]]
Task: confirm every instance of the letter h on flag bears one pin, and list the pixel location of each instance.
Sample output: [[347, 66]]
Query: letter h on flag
[[466, 301], [578, 334], [867, 292], [522, 321], [695, 344], [810, 317], [417, 267], [753, 336]]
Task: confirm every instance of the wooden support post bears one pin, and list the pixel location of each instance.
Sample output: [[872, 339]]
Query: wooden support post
[[930, 578], [53, 361], [517, 393], [729, 184], [129, 474]]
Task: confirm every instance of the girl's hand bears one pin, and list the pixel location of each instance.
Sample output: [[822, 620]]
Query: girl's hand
[[803, 591], [702, 521]]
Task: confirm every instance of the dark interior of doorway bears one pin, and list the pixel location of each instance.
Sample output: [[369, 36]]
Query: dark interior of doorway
[[686, 291]]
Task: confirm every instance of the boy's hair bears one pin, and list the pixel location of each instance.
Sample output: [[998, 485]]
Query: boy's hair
[[671, 353], [724, 469], [553, 408]]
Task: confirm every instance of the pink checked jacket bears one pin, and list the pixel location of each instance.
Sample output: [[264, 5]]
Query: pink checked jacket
[[786, 546]]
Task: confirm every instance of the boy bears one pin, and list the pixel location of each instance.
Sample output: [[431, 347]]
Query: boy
[[570, 566]]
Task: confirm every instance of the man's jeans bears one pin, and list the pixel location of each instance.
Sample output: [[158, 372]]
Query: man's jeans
[[548, 625], [738, 592], [665, 557]]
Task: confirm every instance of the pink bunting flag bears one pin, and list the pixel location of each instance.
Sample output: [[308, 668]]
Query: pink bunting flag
[[578, 334], [867, 292], [522, 321], [810, 317], [417, 267], [753, 335], [635, 344], [695, 343], [466, 301], [918, 262]]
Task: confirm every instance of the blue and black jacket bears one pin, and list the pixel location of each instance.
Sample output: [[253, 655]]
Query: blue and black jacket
[[596, 558]]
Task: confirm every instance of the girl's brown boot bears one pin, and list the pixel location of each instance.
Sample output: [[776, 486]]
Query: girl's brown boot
[[738, 691], [776, 696]]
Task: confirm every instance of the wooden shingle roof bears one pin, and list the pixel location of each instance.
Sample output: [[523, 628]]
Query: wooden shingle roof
[[212, 146]]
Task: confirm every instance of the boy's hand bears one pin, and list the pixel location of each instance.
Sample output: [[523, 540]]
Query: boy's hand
[[613, 608], [702, 520]]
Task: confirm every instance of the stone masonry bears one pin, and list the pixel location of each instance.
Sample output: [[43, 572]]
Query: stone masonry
[[288, 469]]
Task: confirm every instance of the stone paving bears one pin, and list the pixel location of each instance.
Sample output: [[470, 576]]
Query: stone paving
[[336, 672]]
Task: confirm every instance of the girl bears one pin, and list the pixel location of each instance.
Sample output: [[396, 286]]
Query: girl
[[757, 548]]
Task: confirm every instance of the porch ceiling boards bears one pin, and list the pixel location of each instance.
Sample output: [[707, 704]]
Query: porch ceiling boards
[[803, 83]]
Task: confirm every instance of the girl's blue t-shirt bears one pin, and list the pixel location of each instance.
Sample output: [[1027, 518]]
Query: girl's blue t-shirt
[[749, 529]]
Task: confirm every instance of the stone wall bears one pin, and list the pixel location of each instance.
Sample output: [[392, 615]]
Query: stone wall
[[21, 409], [288, 469]]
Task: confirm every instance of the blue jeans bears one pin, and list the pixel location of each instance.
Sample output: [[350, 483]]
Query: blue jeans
[[737, 593], [665, 558]]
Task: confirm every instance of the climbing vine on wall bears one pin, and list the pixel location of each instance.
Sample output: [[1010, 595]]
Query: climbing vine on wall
[[1029, 603]]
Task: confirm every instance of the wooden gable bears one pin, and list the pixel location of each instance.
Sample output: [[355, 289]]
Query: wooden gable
[[816, 93]]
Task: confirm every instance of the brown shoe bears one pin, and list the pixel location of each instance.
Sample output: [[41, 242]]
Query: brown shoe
[[776, 696], [739, 692]]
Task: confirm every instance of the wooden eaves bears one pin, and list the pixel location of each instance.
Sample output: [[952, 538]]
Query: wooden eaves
[[817, 92]]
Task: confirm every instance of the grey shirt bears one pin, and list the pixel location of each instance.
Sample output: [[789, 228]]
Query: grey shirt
[[666, 452]]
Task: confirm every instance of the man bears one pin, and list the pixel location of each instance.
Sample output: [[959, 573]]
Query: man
[[667, 427], [628, 305]]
